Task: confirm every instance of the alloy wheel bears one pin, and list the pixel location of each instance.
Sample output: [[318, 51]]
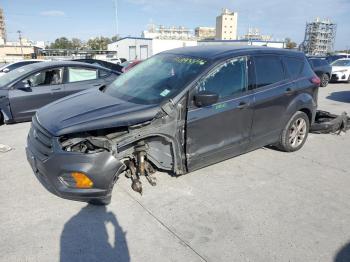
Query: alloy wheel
[[297, 132]]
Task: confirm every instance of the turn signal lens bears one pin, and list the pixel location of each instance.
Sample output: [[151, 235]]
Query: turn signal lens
[[81, 180]]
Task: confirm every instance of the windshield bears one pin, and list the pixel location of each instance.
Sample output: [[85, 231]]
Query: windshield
[[341, 63], [157, 79], [13, 75]]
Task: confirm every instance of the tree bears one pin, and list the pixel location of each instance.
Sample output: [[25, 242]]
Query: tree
[[99, 43], [77, 43], [61, 43], [290, 44], [115, 38]]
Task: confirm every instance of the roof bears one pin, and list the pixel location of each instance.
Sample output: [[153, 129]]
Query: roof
[[132, 37], [48, 64], [213, 52]]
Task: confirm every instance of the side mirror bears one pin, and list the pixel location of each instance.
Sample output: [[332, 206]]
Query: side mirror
[[205, 98], [24, 85], [6, 70]]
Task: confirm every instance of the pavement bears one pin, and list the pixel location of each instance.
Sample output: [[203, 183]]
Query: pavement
[[262, 206]]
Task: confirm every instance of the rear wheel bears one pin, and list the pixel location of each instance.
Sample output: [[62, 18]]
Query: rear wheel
[[324, 80], [1, 119], [295, 133], [349, 79]]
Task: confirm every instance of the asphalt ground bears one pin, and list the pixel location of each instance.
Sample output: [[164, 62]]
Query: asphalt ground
[[262, 206]]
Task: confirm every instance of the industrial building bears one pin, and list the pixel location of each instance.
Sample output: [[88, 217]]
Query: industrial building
[[163, 32], [254, 34], [244, 42], [319, 37], [226, 25], [203, 32], [132, 48]]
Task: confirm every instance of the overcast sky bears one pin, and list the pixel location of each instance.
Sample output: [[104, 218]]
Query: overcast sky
[[49, 19]]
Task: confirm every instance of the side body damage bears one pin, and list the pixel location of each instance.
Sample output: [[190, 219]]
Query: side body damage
[[159, 143]]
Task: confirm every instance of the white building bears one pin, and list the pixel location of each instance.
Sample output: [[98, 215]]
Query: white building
[[226, 25], [132, 48], [163, 32]]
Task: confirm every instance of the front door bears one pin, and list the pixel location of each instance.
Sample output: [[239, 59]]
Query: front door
[[40, 91], [221, 130]]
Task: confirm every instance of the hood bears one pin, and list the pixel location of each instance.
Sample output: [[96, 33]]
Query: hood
[[339, 68], [92, 110]]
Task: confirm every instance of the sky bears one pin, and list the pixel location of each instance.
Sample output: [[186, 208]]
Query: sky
[[46, 20]]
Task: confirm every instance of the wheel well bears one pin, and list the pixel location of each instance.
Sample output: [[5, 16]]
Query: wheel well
[[308, 113]]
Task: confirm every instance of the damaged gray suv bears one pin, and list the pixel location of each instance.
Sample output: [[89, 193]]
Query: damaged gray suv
[[177, 111]]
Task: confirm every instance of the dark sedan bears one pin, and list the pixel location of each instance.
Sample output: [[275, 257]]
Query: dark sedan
[[322, 69], [26, 89]]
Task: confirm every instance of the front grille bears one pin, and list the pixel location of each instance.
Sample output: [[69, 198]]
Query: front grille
[[40, 141]]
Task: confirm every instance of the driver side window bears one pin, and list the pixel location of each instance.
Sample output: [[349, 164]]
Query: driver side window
[[227, 79], [44, 78]]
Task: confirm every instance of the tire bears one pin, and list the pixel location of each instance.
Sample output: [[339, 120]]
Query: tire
[[1, 119], [298, 121], [348, 79], [324, 80], [101, 202]]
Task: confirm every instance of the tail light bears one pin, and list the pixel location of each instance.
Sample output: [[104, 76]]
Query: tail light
[[316, 80]]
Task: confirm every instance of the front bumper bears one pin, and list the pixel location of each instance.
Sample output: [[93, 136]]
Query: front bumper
[[52, 166], [339, 77]]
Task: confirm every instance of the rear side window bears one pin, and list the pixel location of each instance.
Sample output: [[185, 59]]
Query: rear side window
[[76, 74], [294, 66], [269, 70], [307, 70]]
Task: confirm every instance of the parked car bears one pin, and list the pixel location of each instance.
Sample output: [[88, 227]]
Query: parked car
[[177, 111], [322, 69], [127, 65], [111, 66], [117, 61], [26, 89], [12, 66], [333, 58], [341, 70]]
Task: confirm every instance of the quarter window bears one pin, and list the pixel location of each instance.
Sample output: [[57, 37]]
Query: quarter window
[[227, 79], [47, 77], [76, 74], [294, 66], [269, 70]]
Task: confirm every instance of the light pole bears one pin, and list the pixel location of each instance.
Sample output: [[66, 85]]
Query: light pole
[[20, 41]]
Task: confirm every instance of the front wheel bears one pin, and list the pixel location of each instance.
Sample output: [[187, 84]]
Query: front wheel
[[295, 133], [324, 80]]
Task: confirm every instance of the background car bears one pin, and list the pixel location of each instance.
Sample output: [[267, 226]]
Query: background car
[[12, 66], [117, 61], [322, 69], [111, 66], [127, 65], [28, 88], [341, 70]]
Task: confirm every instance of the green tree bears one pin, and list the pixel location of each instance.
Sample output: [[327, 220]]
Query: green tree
[[77, 43], [61, 43], [290, 44], [99, 43]]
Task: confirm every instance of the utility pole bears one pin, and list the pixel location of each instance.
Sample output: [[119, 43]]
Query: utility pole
[[20, 41], [116, 16]]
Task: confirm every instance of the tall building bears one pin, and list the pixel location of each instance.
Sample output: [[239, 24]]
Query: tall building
[[226, 25], [202, 32], [319, 37], [2, 26]]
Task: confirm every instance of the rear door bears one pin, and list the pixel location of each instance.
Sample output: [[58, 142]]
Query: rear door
[[221, 130], [41, 91], [81, 78], [273, 93]]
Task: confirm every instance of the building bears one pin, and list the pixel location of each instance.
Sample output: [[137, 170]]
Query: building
[[254, 34], [244, 42], [202, 32], [162, 32], [132, 48], [12, 53], [2, 27], [226, 25], [319, 37]]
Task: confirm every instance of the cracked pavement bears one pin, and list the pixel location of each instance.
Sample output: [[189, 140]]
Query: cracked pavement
[[262, 206]]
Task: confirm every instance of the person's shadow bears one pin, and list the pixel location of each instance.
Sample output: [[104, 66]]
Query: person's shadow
[[85, 237], [343, 255]]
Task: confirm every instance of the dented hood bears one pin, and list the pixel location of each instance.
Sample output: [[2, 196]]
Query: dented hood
[[92, 110]]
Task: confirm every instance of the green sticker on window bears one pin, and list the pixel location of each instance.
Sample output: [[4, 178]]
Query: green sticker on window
[[189, 60], [219, 106]]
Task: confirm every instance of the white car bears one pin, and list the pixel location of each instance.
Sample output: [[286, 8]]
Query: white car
[[341, 70]]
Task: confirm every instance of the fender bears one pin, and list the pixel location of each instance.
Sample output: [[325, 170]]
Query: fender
[[303, 102]]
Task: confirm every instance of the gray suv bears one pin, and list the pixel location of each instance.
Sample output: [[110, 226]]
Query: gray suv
[[177, 111]]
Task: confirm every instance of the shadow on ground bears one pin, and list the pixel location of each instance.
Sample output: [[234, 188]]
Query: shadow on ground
[[341, 96], [85, 237], [343, 254]]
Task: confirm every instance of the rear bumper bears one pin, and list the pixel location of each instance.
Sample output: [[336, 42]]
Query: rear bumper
[[53, 171]]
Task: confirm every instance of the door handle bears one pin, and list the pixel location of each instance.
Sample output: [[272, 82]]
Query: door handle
[[289, 91], [56, 89], [97, 84], [242, 105]]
